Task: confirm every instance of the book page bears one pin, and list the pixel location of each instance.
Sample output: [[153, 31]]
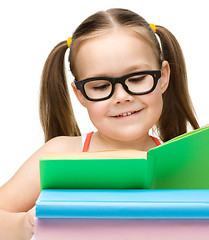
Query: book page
[[109, 154]]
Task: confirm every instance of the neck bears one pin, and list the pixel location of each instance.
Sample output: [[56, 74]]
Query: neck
[[102, 142]]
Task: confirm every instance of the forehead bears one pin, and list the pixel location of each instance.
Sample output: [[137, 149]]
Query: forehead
[[114, 53]]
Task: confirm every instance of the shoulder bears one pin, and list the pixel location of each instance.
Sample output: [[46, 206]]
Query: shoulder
[[26, 179], [64, 144]]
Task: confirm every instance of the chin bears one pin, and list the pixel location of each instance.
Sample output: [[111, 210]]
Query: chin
[[129, 136]]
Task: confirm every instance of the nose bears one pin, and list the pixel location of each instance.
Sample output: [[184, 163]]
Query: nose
[[120, 95]]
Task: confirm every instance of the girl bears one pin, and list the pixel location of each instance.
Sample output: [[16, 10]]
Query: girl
[[127, 80]]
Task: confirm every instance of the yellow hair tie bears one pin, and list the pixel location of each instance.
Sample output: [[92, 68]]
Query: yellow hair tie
[[69, 41], [153, 27]]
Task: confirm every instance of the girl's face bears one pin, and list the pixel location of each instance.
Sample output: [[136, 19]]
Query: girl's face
[[114, 54]]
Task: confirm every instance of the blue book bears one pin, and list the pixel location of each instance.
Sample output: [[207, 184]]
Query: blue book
[[123, 204]]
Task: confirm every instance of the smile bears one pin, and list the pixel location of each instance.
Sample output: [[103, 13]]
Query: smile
[[126, 114]]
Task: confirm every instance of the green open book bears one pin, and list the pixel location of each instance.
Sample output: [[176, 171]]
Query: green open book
[[181, 163]]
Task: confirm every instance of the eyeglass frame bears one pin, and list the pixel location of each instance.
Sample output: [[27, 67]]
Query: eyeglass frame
[[156, 74]]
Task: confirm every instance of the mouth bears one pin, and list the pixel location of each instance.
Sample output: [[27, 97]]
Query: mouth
[[126, 114]]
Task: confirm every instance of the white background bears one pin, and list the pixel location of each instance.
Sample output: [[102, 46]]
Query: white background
[[30, 29]]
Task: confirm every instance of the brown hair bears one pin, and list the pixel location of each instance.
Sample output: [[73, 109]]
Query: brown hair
[[56, 112]]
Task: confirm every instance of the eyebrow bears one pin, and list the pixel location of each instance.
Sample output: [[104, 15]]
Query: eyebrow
[[134, 68], [141, 67]]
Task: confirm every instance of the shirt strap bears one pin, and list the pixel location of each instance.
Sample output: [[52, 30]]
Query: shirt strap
[[157, 141], [87, 142]]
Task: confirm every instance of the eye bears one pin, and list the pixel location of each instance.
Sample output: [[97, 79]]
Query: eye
[[97, 86], [137, 79], [101, 86]]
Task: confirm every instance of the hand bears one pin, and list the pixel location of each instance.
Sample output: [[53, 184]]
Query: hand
[[29, 224]]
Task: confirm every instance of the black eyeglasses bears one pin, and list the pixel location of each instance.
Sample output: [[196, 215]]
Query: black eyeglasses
[[102, 88]]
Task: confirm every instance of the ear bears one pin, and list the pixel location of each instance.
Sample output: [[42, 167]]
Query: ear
[[165, 76], [79, 95]]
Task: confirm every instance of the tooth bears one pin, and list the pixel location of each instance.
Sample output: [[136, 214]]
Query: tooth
[[125, 114]]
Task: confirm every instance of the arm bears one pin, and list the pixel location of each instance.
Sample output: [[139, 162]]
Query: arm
[[17, 197], [16, 226], [19, 194]]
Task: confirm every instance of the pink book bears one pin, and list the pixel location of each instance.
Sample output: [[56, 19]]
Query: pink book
[[121, 229]]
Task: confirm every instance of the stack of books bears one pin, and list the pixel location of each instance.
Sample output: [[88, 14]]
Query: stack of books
[[127, 194]]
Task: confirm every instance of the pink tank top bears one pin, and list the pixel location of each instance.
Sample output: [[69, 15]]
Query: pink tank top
[[89, 135]]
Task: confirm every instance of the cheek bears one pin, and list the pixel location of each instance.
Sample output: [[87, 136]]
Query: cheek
[[96, 111], [154, 101]]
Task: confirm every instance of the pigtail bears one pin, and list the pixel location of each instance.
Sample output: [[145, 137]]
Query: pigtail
[[178, 110], [56, 113]]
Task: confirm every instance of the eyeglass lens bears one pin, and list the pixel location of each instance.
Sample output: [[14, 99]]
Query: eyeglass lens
[[102, 88]]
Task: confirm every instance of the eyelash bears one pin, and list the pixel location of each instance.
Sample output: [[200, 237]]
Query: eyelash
[[101, 87], [137, 79]]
